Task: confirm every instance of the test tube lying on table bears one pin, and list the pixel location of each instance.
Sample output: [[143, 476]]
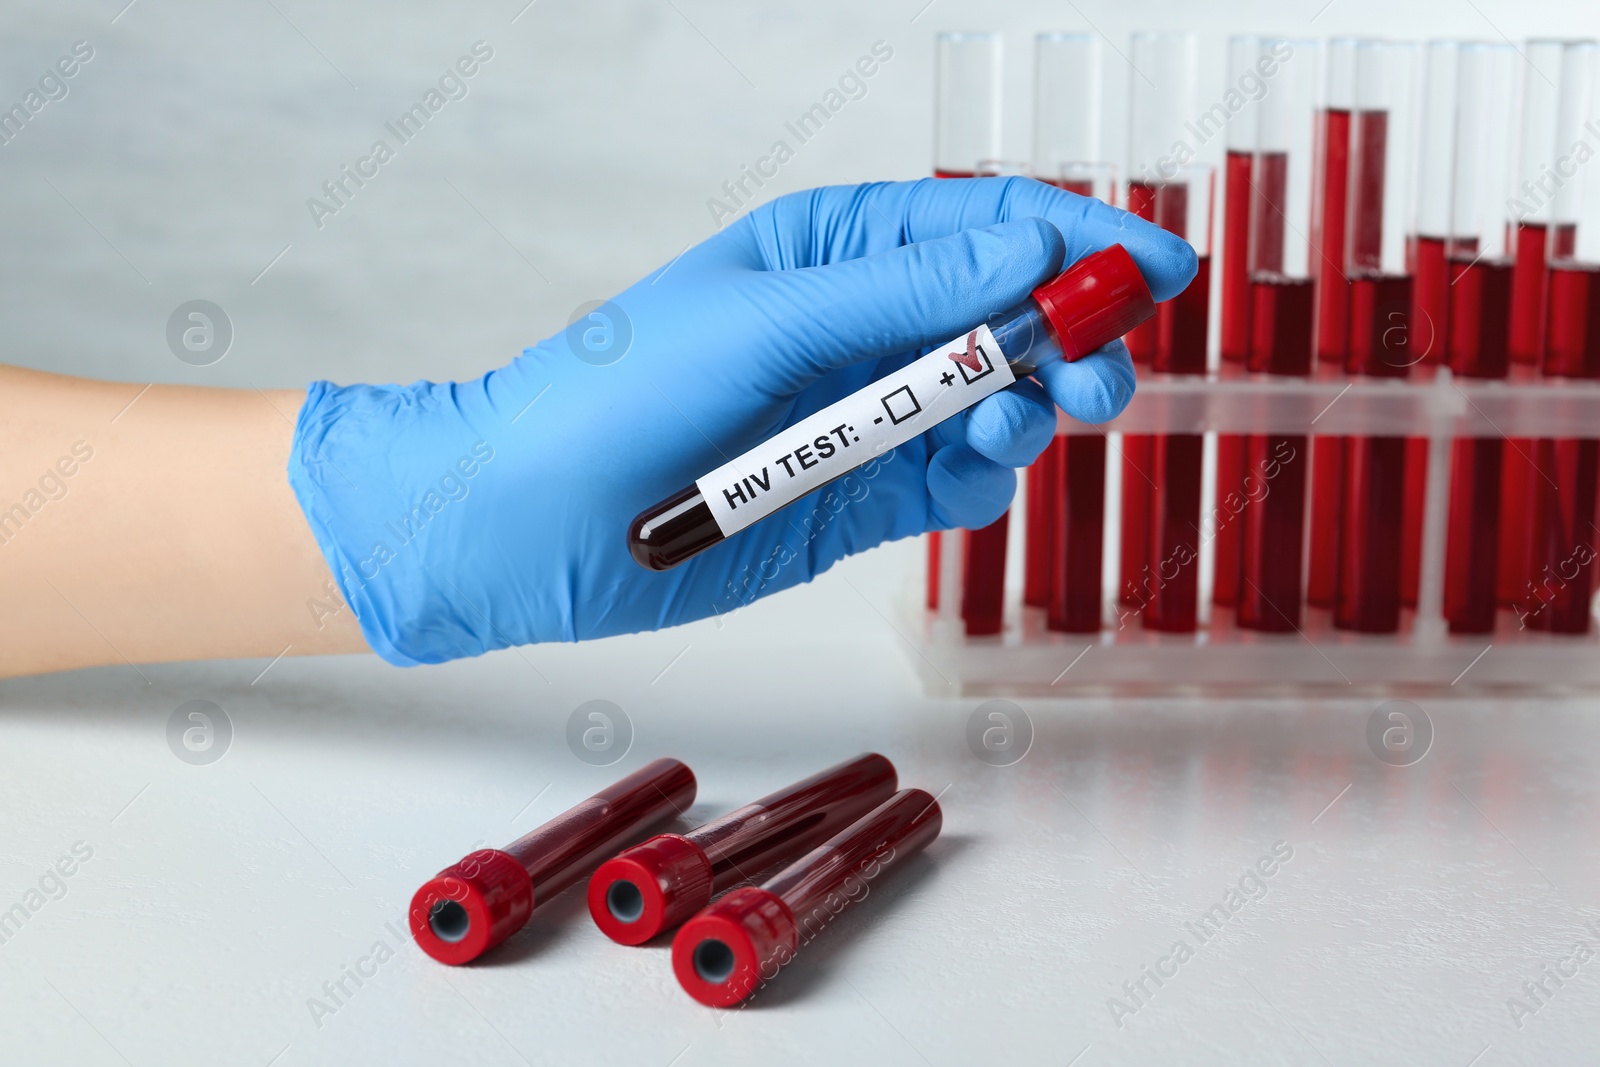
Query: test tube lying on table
[[470, 907], [1094, 302], [722, 954], [656, 885]]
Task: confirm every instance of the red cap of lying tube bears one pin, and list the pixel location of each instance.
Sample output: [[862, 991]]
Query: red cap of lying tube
[[1095, 301]]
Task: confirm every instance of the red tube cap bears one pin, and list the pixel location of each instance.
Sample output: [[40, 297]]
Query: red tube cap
[[721, 955], [649, 888], [1095, 301], [470, 907]]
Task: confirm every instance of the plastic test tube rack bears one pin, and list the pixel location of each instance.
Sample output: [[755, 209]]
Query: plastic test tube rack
[[1026, 658]]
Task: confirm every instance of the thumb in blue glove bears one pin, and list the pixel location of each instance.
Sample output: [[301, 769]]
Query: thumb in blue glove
[[464, 517]]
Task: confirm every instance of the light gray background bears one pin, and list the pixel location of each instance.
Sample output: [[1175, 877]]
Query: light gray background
[[221, 898]]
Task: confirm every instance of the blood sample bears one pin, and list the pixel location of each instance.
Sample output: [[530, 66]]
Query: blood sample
[[967, 81], [1561, 596], [1378, 341], [656, 885], [1078, 532], [1238, 190], [470, 907], [1331, 193], [1271, 518], [1536, 142], [1329, 225], [1478, 338], [1091, 303], [1172, 572], [723, 954], [1042, 481], [1157, 111], [1536, 148], [1067, 106], [1243, 53]]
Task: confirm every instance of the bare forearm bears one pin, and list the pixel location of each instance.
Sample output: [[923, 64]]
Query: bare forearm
[[155, 526]]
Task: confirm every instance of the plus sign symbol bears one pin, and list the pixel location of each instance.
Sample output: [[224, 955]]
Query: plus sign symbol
[[947, 378]]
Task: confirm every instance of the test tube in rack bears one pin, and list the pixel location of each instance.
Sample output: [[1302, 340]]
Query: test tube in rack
[[1480, 259], [1536, 151], [1066, 486], [1332, 204], [1430, 291], [967, 568], [1238, 191], [1379, 333], [1560, 595], [1170, 583], [1161, 96], [1282, 339]]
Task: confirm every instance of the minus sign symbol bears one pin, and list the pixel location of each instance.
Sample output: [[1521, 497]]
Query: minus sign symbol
[[877, 420]]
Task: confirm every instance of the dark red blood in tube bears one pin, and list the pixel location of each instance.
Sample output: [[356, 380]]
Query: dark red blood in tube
[[1562, 583], [472, 906], [1078, 534], [1370, 543], [1042, 489], [935, 550], [1430, 298], [1172, 579], [1142, 202], [1272, 522], [1235, 257], [723, 954], [1134, 531], [1230, 496], [1527, 292], [1518, 504], [1333, 192], [983, 578], [1479, 347], [656, 885], [1327, 498]]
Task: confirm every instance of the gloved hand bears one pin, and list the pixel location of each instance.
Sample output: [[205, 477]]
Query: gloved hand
[[464, 517]]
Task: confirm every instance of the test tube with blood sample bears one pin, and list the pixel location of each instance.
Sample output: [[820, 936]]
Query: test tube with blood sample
[[727, 951], [1093, 302], [1479, 258], [1271, 515], [656, 885], [1378, 343], [1066, 485], [967, 94], [471, 906]]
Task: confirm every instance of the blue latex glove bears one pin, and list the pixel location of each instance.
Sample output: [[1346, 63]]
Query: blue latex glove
[[469, 516]]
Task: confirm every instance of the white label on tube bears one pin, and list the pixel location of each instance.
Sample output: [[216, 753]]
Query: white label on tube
[[857, 429]]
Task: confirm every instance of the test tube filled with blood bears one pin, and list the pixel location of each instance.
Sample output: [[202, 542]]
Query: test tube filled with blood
[[967, 85], [1159, 103], [1430, 291], [1066, 486], [1331, 194], [1171, 581], [723, 954], [471, 906], [1536, 148], [656, 885], [1271, 507], [1093, 302], [1480, 260], [1378, 341], [1238, 193], [1560, 595]]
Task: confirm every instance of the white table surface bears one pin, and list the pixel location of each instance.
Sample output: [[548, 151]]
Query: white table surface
[[220, 898]]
